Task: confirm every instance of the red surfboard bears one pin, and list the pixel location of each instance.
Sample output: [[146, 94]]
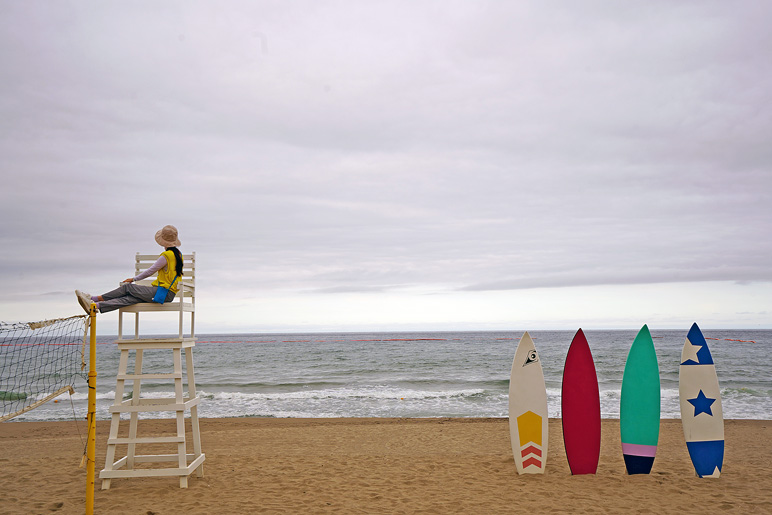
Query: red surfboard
[[580, 404]]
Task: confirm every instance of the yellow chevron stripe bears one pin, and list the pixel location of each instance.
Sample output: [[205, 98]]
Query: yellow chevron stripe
[[529, 428]]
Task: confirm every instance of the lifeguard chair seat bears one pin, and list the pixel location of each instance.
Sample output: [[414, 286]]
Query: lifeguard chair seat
[[184, 301]]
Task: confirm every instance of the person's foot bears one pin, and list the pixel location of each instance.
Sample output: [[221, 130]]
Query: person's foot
[[84, 299]]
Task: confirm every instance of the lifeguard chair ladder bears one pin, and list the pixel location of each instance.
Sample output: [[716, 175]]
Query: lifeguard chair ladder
[[186, 463]]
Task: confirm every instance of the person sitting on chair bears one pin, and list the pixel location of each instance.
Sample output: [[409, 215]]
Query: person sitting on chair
[[169, 269]]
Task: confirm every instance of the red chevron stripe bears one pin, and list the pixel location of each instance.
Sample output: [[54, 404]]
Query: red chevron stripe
[[531, 461], [531, 449]]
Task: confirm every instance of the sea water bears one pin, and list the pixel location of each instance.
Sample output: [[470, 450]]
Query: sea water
[[417, 374]]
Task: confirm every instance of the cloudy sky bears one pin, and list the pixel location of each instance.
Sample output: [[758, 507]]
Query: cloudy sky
[[343, 166]]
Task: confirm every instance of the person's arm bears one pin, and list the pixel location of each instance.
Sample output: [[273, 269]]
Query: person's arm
[[159, 264]]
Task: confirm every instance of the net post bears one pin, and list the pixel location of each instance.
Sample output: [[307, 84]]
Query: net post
[[91, 444]]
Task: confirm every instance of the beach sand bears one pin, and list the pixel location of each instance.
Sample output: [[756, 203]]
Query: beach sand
[[257, 465]]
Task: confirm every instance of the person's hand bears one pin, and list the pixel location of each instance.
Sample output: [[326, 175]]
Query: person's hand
[[129, 280]]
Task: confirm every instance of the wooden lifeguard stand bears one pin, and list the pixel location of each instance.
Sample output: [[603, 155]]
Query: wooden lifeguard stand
[[184, 463]]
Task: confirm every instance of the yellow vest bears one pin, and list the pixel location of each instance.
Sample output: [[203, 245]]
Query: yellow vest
[[166, 274]]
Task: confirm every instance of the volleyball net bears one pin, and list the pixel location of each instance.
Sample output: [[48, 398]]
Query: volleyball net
[[40, 361]]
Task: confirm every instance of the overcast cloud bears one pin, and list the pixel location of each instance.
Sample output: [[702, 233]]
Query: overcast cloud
[[322, 153]]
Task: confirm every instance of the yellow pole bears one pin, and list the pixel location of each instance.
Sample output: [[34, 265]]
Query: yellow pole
[[91, 445]]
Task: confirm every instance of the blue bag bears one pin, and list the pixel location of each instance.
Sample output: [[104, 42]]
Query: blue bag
[[161, 292]]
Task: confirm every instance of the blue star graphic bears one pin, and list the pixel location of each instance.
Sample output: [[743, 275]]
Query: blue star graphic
[[702, 404]]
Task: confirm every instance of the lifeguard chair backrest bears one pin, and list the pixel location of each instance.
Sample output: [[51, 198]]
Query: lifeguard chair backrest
[[188, 280]]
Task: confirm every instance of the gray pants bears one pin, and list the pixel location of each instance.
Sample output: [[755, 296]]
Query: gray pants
[[129, 294]]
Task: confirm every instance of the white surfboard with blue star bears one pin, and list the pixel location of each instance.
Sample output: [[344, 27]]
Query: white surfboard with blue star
[[701, 414]]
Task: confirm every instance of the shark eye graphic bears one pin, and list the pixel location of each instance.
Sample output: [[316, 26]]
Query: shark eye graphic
[[532, 358]]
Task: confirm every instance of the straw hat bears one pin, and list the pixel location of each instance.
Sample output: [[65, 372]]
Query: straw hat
[[167, 237]]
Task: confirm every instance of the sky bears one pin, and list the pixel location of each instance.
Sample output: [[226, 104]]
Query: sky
[[393, 166]]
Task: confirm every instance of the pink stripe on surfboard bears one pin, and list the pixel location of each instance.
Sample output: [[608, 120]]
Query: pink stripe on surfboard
[[639, 450]]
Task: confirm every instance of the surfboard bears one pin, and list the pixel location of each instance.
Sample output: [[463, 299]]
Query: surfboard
[[528, 417], [581, 408], [640, 405], [701, 413]]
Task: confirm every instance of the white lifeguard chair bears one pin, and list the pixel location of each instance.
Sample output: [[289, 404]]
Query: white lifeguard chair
[[184, 301], [184, 462]]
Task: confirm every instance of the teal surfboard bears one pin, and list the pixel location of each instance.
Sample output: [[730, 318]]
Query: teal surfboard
[[640, 405]]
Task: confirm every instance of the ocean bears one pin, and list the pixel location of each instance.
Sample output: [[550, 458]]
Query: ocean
[[417, 374]]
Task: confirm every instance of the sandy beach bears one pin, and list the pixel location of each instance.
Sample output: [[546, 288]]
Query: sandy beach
[[258, 465]]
